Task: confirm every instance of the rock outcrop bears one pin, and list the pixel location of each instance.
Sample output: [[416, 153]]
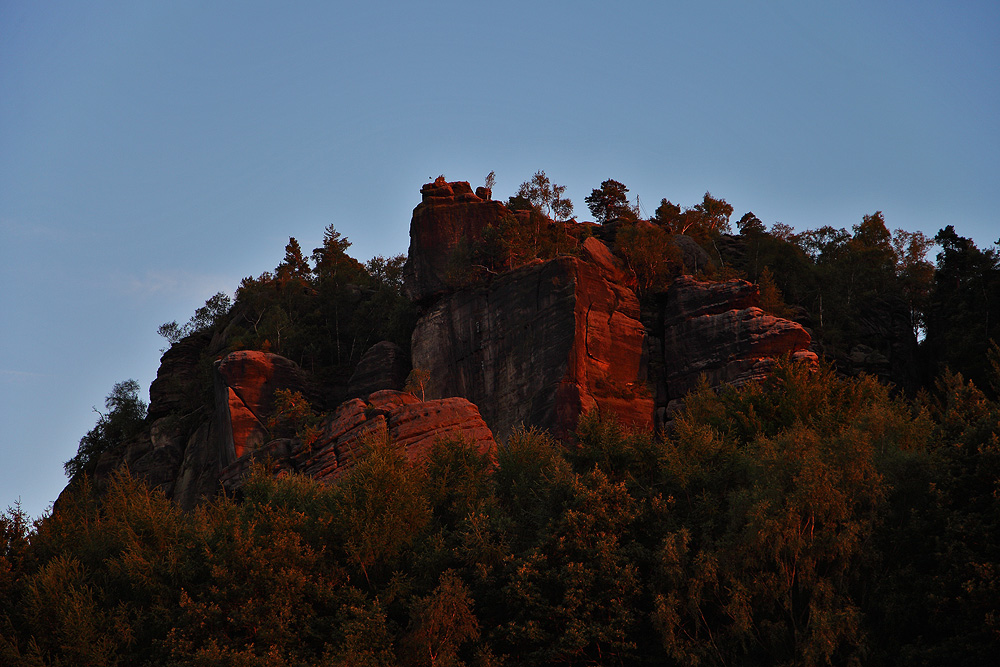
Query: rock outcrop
[[179, 373], [411, 424], [245, 387], [383, 366], [448, 215], [540, 345], [718, 330]]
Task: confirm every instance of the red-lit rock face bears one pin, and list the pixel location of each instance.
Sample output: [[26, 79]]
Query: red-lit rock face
[[448, 215], [248, 381], [540, 345], [415, 427], [412, 425]]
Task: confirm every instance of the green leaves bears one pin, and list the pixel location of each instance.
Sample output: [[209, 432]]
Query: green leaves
[[610, 202], [805, 520], [124, 419]]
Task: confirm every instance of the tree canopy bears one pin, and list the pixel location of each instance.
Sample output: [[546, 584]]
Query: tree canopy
[[545, 196], [610, 202], [808, 519], [124, 419]]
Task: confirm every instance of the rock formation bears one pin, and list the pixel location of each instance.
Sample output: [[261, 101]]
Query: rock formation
[[717, 330], [448, 215], [411, 424], [540, 345], [383, 366], [245, 384]]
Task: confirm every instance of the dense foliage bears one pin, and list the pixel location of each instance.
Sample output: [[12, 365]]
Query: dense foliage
[[811, 519], [323, 315], [125, 418], [806, 520], [323, 312]]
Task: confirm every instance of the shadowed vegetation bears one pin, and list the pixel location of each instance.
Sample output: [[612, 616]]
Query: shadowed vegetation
[[805, 520]]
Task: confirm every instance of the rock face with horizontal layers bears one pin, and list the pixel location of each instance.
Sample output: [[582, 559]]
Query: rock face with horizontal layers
[[383, 366], [448, 215], [540, 345], [411, 424], [718, 330]]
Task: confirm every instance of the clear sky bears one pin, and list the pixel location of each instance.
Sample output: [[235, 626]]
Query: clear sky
[[154, 153]]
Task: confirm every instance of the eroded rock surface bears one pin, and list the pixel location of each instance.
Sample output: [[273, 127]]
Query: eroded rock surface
[[246, 382], [412, 425], [448, 215], [540, 345], [717, 330], [383, 366]]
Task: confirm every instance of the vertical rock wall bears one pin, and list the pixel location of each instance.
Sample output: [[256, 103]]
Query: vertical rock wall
[[539, 345]]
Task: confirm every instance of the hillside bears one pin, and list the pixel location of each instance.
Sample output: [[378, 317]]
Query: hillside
[[537, 441], [534, 322]]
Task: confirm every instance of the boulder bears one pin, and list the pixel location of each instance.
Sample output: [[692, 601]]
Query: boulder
[[386, 401], [413, 425], [693, 256], [417, 426]]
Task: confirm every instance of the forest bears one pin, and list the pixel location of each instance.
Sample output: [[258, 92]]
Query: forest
[[844, 515]]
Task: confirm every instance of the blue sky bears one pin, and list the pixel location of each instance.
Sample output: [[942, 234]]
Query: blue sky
[[154, 153]]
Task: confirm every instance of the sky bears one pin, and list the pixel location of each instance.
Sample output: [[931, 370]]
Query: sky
[[155, 153]]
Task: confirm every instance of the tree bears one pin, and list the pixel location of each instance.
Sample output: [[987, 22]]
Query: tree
[[667, 215], [703, 220], [610, 202], [417, 381], [124, 419], [205, 318], [771, 299], [650, 253], [546, 197], [914, 273], [387, 272], [783, 494], [964, 304], [750, 224], [294, 268], [490, 183], [714, 213], [332, 261], [441, 623]]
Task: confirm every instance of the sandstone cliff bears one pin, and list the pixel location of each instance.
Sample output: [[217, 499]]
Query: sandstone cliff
[[539, 345], [719, 332]]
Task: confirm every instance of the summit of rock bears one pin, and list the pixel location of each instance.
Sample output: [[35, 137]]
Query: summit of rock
[[448, 215]]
